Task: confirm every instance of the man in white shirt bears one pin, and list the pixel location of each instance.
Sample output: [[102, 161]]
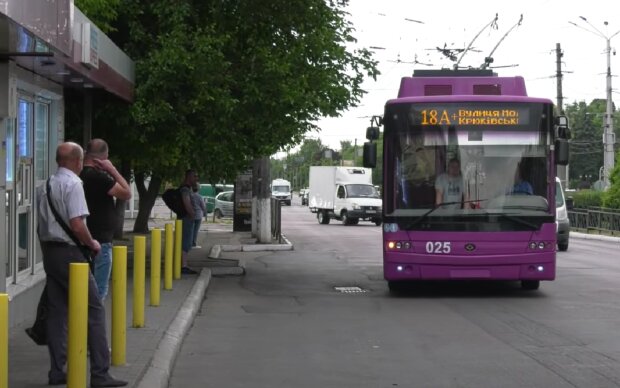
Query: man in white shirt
[[59, 250], [449, 187]]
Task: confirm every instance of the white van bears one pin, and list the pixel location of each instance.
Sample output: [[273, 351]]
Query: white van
[[281, 189], [561, 217], [345, 194]]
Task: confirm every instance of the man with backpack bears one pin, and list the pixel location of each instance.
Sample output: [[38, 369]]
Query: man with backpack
[[191, 179]]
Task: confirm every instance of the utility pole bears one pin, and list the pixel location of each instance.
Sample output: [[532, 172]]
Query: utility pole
[[558, 75], [609, 138], [261, 200], [562, 171]]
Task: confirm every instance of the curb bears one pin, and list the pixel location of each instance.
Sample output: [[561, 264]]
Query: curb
[[160, 367], [598, 237], [217, 250]]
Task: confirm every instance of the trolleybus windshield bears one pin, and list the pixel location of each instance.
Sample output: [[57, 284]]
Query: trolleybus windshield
[[468, 164]]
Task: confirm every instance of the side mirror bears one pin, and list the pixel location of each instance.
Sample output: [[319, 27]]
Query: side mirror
[[563, 130], [570, 203], [561, 152], [370, 155], [372, 133], [561, 121]]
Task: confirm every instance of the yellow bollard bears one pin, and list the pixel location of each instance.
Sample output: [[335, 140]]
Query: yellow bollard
[[178, 241], [77, 325], [155, 266], [119, 304], [4, 340], [139, 258], [168, 258]]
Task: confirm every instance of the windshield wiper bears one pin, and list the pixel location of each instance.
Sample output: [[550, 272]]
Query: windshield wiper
[[427, 213]]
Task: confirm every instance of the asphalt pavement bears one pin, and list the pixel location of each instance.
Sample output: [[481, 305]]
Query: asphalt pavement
[[151, 351]]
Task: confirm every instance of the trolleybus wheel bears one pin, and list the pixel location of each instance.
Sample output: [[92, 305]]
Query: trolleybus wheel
[[396, 287], [530, 284]]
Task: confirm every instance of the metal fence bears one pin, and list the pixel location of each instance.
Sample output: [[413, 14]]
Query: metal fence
[[595, 219], [276, 220]]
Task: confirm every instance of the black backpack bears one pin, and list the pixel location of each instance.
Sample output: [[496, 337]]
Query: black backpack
[[174, 200]]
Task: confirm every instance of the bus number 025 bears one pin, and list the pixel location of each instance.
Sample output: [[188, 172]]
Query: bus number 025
[[438, 247]]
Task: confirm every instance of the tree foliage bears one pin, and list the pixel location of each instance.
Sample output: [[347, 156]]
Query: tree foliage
[[295, 166], [586, 150], [611, 197], [219, 83], [101, 12], [584, 199]]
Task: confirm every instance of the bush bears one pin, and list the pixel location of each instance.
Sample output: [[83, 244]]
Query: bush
[[611, 197], [587, 198]]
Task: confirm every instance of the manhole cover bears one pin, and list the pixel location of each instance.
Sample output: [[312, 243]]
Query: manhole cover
[[349, 290]]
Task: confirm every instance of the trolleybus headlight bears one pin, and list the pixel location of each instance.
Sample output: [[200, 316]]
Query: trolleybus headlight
[[532, 245], [399, 268], [399, 245], [540, 268], [541, 245], [391, 244], [407, 245]]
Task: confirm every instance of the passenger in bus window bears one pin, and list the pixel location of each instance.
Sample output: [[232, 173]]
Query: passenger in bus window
[[521, 186], [449, 187]]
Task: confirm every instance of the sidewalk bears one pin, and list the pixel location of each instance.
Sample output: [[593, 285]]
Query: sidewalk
[[150, 351]]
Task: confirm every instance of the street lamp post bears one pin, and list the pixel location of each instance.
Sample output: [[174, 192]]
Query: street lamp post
[[608, 133]]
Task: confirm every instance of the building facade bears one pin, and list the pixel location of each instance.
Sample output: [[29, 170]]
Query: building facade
[[46, 47]]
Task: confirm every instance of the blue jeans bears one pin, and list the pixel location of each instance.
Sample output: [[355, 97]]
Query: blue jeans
[[103, 268], [196, 229], [187, 235]]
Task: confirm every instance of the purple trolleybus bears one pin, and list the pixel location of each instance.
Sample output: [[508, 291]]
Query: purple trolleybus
[[469, 166]]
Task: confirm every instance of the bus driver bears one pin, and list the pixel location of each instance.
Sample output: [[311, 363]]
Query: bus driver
[[449, 187]]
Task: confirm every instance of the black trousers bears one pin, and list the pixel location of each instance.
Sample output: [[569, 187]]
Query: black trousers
[[54, 306]]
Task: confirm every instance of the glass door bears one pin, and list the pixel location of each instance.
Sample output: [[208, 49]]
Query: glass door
[[23, 187], [41, 160], [10, 198]]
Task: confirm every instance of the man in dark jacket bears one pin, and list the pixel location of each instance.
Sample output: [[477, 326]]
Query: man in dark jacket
[[102, 185]]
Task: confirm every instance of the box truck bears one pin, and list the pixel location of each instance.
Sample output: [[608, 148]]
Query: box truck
[[345, 194], [281, 189]]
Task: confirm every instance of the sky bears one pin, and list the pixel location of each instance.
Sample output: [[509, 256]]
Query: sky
[[531, 46]]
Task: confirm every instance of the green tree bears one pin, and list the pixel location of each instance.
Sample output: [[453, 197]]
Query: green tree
[[101, 12], [219, 83], [586, 149], [611, 197]]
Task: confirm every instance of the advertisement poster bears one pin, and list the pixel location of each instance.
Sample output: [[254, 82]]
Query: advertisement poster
[[242, 220]]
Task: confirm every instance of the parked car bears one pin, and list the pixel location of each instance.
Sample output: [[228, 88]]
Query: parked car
[[223, 206], [561, 217], [208, 193]]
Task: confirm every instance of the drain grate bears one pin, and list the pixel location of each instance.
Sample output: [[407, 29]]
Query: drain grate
[[350, 290]]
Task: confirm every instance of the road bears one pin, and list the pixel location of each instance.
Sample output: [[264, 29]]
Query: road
[[285, 325]]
